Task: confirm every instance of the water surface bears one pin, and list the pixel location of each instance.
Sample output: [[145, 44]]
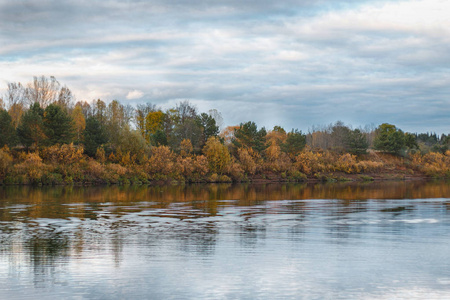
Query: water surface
[[327, 241]]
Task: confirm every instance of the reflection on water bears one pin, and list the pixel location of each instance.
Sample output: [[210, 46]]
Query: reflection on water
[[335, 241]]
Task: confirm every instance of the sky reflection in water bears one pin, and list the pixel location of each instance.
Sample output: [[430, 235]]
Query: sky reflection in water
[[339, 241]]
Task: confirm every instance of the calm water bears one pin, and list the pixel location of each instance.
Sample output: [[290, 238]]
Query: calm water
[[337, 241]]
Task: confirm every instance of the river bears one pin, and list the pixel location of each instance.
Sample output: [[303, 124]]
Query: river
[[379, 240]]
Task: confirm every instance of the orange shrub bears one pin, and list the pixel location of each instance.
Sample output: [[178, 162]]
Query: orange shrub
[[347, 163], [95, 169], [161, 161], [32, 167], [308, 162], [247, 160], [63, 154]]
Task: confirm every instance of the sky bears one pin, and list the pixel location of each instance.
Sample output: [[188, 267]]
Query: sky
[[293, 63]]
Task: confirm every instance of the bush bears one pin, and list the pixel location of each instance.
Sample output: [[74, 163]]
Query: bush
[[63, 154], [6, 161]]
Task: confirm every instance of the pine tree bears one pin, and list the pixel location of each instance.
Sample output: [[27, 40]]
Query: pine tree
[[94, 136], [31, 127], [58, 125], [7, 132]]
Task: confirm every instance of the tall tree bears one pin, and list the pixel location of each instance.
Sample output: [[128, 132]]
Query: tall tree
[[389, 138], [7, 131], [295, 142], [140, 113], [339, 136], [58, 125], [181, 124], [248, 135], [79, 122], [43, 90], [356, 142], [94, 136], [208, 125], [31, 129]]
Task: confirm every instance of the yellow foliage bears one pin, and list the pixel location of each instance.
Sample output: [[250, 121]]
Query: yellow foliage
[[227, 134], [32, 167], [5, 163], [201, 165], [370, 166], [79, 120], [347, 163], [247, 161], [125, 159], [185, 166], [63, 154], [435, 164], [273, 152], [309, 162], [153, 121], [276, 138], [100, 155], [95, 169], [186, 147], [112, 157], [217, 155], [235, 170], [161, 161]]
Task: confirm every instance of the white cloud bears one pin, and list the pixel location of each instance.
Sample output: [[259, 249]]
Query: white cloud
[[134, 95], [371, 51]]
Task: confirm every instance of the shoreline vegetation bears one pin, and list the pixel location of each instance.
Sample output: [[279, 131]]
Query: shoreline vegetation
[[46, 138]]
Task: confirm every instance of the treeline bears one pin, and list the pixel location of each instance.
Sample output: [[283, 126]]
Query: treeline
[[49, 138]]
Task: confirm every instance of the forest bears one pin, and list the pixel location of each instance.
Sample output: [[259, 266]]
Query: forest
[[48, 138]]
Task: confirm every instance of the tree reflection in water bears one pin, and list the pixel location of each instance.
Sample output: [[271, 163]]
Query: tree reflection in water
[[46, 229]]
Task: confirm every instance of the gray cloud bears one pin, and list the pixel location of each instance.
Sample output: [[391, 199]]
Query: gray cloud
[[291, 63]]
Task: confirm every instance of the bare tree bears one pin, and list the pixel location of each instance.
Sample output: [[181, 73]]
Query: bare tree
[[16, 94], [65, 97], [217, 116], [43, 90], [186, 111]]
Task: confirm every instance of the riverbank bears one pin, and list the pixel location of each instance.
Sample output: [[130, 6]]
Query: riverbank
[[68, 165]]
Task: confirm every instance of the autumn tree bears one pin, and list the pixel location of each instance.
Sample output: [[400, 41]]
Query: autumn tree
[[116, 123], [15, 101], [181, 124], [64, 98], [217, 155], [42, 90], [186, 148], [227, 134], [79, 122], [154, 122], [140, 114], [86, 108], [276, 136], [98, 109], [133, 143]]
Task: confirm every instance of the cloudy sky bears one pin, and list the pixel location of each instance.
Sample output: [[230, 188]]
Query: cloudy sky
[[294, 63]]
